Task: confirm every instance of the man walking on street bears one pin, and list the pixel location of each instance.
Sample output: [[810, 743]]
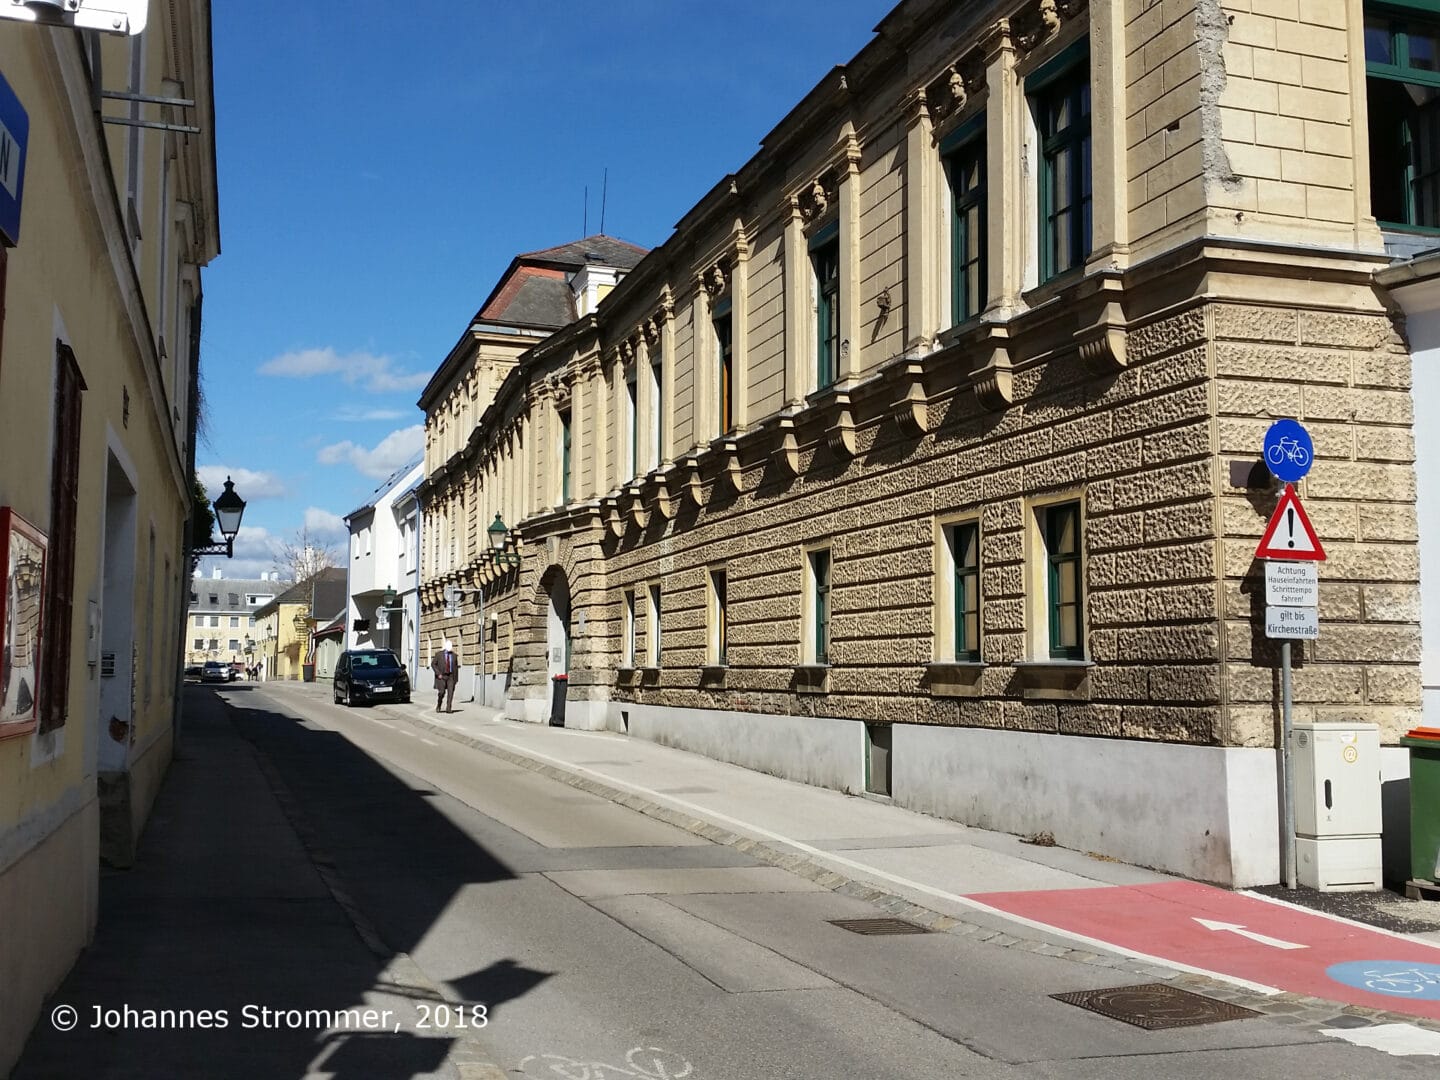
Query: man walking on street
[[446, 675]]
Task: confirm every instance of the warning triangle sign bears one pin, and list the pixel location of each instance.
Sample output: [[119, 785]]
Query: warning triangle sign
[[1289, 534]]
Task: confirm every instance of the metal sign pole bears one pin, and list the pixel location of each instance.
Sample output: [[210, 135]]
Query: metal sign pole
[[1288, 764]]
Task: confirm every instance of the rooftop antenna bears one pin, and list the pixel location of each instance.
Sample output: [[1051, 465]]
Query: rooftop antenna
[[604, 191]]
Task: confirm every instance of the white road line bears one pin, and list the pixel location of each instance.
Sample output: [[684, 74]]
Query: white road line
[[382, 723], [428, 742], [407, 734], [885, 875]]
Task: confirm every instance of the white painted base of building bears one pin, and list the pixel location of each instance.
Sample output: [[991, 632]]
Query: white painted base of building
[[1204, 812]]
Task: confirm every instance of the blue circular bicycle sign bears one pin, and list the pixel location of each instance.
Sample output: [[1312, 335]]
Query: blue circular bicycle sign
[[1288, 450], [1395, 978]]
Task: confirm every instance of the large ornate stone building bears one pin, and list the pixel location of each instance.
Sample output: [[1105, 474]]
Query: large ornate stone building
[[923, 458]]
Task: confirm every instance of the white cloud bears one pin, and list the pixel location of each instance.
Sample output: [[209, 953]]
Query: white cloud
[[256, 552], [325, 527], [248, 484], [388, 455], [353, 413], [375, 373]]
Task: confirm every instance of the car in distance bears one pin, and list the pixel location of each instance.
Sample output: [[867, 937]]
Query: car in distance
[[368, 675], [194, 673], [214, 671]]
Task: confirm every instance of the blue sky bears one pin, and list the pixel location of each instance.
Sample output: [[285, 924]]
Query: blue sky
[[381, 163]]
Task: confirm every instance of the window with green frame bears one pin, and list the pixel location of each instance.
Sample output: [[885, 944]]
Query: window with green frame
[[724, 384], [963, 540], [1064, 593], [826, 260], [565, 457], [966, 166], [1402, 69], [820, 606], [1062, 116]]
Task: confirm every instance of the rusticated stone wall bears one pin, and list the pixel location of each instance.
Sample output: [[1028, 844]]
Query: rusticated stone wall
[[1170, 577], [1346, 376]]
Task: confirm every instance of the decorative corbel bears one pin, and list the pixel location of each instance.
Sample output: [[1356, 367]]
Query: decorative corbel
[[635, 508], [1102, 342], [911, 407], [841, 432], [684, 480], [993, 382], [658, 489], [727, 453], [787, 452], [610, 511]]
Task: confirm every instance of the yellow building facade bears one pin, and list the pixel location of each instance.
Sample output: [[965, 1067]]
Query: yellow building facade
[[98, 362], [924, 459]]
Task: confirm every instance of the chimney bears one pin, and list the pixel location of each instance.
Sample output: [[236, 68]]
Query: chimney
[[215, 573]]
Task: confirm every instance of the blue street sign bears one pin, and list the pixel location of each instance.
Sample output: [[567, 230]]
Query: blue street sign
[[1415, 980], [14, 133], [1288, 450]]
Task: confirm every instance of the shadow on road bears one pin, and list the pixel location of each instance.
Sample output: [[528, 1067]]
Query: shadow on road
[[281, 869]]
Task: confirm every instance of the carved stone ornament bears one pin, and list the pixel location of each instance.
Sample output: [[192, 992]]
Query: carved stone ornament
[[953, 90], [651, 329], [817, 202], [1103, 341], [715, 280], [840, 433], [1038, 25], [614, 520], [911, 408], [993, 382], [958, 97], [787, 451], [627, 351], [635, 508], [687, 476], [658, 489], [727, 452]]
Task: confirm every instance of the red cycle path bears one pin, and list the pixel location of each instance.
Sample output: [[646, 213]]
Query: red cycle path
[[1159, 921]]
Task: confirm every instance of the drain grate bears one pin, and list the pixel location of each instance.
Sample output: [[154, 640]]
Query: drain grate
[[1154, 1006], [871, 927]]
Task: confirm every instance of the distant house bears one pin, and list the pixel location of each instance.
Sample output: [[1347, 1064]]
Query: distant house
[[288, 623], [220, 622], [384, 560]]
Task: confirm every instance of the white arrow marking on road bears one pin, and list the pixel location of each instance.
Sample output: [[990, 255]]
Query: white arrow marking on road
[[1234, 928]]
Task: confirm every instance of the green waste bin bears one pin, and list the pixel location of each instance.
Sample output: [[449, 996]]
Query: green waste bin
[[1424, 806]]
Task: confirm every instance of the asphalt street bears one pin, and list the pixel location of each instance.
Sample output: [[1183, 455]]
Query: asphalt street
[[318, 862]]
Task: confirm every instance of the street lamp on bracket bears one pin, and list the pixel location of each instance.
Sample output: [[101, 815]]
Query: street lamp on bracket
[[499, 534], [229, 509]]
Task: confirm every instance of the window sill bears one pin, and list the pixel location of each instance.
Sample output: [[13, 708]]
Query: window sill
[[811, 679], [713, 674], [1064, 680], [954, 678]]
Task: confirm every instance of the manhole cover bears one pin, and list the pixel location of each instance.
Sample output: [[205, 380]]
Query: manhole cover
[[879, 926], [1153, 1006]]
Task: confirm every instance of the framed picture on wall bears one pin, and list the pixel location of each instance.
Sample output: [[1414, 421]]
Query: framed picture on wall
[[22, 558]]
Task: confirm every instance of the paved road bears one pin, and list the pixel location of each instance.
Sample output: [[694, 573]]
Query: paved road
[[305, 856]]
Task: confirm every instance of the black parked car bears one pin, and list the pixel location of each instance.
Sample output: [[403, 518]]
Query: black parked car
[[366, 675]]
